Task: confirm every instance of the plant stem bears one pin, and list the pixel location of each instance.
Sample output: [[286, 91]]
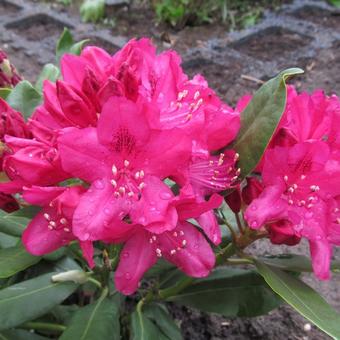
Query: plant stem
[[95, 282], [239, 223], [43, 326], [183, 283]]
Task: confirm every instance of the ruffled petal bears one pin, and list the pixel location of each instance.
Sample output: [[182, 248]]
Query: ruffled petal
[[321, 253]]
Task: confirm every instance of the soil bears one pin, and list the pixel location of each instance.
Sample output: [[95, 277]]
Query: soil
[[318, 16], [7, 7], [271, 43], [321, 71], [37, 27]]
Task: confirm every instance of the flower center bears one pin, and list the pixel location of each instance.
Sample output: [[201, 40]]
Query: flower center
[[215, 173], [301, 195], [58, 222], [127, 181]]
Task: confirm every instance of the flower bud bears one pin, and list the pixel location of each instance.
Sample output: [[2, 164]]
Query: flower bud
[[77, 276], [8, 74]]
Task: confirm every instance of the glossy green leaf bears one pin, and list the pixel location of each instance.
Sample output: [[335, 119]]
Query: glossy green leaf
[[14, 260], [24, 98], [293, 262], [260, 119], [144, 329], [92, 10], [77, 47], [30, 299], [20, 334], [335, 3], [12, 224], [230, 292], [7, 241], [99, 320], [4, 92], [159, 315], [49, 72], [303, 298]]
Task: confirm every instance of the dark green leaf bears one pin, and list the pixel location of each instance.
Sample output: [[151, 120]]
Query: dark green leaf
[[4, 92], [144, 329], [19, 334], [260, 119], [24, 98], [99, 320], [293, 262], [49, 72], [12, 224], [230, 292], [161, 317], [303, 298], [55, 255], [335, 3], [30, 299], [7, 241], [14, 260]]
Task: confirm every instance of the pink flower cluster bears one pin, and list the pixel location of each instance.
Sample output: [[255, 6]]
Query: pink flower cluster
[[299, 196], [107, 142]]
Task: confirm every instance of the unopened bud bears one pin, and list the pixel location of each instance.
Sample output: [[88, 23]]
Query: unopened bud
[[76, 276]]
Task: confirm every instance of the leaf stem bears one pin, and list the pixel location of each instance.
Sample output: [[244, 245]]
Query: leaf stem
[[239, 223], [43, 326], [95, 282]]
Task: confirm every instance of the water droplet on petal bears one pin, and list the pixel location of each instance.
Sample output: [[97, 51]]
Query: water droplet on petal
[[106, 223], [126, 254], [107, 211], [127, 275], [86, 236], [254, 224], [99, 184], [309, 214], [196, 245], [165, 195], [142, 220], [253, 207], [318, 237]]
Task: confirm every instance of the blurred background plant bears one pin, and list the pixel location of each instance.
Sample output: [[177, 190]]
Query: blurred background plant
[[235, 14]]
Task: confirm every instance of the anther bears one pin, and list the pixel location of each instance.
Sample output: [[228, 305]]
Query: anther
[[126, 163], [141, 174], [63, 221], [122, 190], [114, 183], [114, 170], [196, 95], [314, 188], [47, 217], [141, 185], [173, 251], [285, 178]]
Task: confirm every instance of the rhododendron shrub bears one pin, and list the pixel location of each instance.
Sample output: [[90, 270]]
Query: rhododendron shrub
[[135, 185]]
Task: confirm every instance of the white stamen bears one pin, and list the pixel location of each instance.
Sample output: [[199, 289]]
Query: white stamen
[[63, 221], [47, 217], [114, 170], [126, 163], [114, 183]]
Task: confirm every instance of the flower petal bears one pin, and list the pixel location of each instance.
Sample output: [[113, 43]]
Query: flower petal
[[137, 256]]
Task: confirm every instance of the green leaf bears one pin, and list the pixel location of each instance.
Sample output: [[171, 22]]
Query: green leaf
[[14, 260], [303, 298], [4, 92], [64, 43], [260, 119], [12, 224], [293, 262], [335, 3], [24, 98], [49, 72], [144, 329], [7, 241], [55, 255], [99, 320], [30, 299], [161, 317], [230, 292], [92, 10], [19, 334], [78, 47]]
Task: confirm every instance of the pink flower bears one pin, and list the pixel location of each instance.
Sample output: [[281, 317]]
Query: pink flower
[[181, 243], [8, 74], [119, 158], [301, 184]]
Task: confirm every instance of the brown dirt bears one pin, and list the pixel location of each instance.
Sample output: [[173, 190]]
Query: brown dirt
[[6, 7], [318, 16], [271, 43], [37, 27]]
